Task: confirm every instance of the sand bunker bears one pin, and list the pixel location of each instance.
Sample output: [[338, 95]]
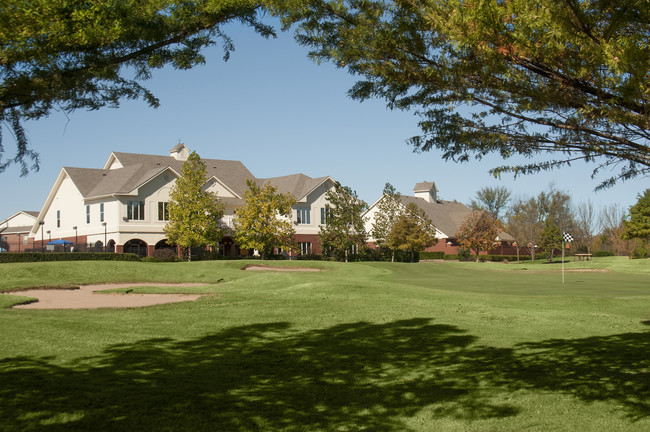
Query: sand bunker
[[86, 297]]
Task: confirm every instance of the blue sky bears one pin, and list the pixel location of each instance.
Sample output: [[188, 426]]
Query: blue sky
[[279, 113]]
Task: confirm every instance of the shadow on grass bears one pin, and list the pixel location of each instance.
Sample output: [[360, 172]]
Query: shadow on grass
[[347, 377]]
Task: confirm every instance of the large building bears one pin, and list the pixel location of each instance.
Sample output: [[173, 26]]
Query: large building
[[447, 218], [14, 232], [122, 206]]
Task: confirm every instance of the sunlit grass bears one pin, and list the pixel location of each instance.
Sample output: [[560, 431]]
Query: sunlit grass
[[357, 346]]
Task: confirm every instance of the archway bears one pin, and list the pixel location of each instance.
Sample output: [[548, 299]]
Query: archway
[[136, 246], [98, 246], [162, 244], [110, 246]]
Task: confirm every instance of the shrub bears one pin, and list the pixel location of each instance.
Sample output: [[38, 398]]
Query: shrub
[[464, 254], [211, 256], [17, 257], [164, 255], [602, 253], [310, 257], [641, 252], [542, 255], [432, 255]]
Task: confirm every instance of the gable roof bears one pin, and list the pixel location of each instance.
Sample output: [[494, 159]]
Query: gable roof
[[447, 216], [298, 185], [424, 187], [6, 228], [231, 173]]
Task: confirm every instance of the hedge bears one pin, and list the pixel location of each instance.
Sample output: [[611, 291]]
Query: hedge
[[602, 253], [18, 257], [432, 255]]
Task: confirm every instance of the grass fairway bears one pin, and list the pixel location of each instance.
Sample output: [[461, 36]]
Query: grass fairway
[[358, 346]]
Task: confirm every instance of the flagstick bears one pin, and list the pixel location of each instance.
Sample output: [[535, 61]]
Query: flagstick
[[562, 260]]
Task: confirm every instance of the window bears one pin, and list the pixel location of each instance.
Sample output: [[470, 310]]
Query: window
[[305, 248], [303, 216], [58, 218], [135, 210], [101, 212], [163, 211], [324, 214], [87, 214]]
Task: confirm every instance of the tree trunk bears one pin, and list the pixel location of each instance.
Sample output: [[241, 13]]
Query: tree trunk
[[189, 254], [517, 254], [263, 255], [346, 255], [392, 258]]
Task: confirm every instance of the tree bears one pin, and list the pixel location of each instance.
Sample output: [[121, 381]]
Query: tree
[[66, 55], [612, 220], [264, 222], [637, 224], [388, 210], [344, 227], [567, 80], [194, 214], [550, 238], [479, 232], [525, 222], [585, 224], [412, 231], [492, 200]]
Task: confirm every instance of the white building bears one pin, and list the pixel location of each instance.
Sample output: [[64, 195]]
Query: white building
[[14, 232], [122, 206], [447, 216]]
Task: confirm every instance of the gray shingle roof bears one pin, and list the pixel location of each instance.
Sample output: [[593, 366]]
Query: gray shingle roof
[[447, 216], [424, 187], [297, 185], [138, 169], [15, 229]]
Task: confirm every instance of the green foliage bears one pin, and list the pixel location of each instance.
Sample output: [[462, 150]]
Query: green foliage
[[637, 225], [602, 253], [640, 252], [493, 200], [479, 232], [388, 210], [567, 80], [310, 257], [264, 223], [194, 214], [413, 231], [551, 238], [527, 218], [66, 55], [344, 227], [23, 257], [432, 255]]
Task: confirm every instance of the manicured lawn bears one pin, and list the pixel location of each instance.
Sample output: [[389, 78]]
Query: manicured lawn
[[358, 346]]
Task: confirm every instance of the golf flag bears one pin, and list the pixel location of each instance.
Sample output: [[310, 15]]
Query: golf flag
[[567, 237]]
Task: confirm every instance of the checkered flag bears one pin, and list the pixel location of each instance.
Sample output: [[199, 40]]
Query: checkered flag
[[567, 237]]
